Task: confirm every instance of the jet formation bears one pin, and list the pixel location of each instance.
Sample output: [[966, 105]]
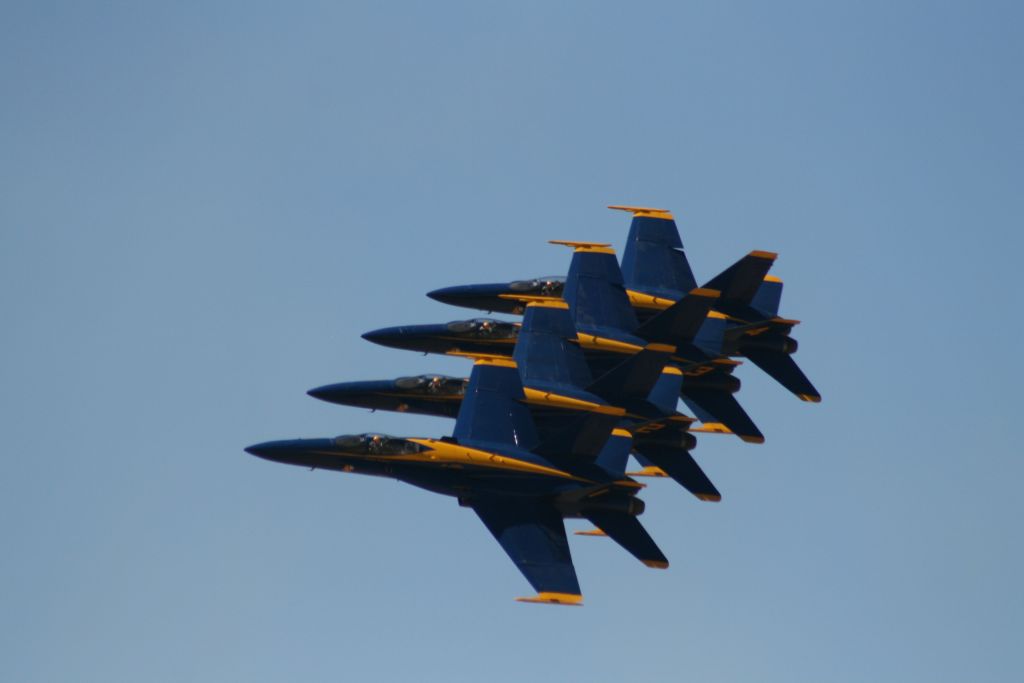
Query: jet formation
[[557, 403]]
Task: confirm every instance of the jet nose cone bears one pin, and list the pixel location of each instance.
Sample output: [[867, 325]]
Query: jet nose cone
[[267, 449], [383, 335], [449, 295], [346, 393], [324, 393], [291, 451]]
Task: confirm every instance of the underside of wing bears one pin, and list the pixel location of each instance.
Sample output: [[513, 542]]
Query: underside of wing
[[533, 534]]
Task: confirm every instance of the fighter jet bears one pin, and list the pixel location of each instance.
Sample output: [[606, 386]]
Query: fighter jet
[[656, 274], [607, 330], [521, 487], [551, 365]]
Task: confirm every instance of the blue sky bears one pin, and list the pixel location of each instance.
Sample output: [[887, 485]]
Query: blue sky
[[203, 206]]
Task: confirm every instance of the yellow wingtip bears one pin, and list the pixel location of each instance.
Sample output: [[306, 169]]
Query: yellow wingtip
[[656, 564], [546, 598]]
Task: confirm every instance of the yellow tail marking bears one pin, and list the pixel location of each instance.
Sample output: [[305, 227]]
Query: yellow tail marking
[[621, 432], [453, 454], [770, 255], [656, 564], [671, 370], [545, 598], [644, 211], [594, 247], [772, 278], [667, 348]]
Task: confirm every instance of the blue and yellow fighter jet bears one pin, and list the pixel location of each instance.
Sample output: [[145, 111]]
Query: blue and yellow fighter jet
[[551, 363], [520, 483], [607, 329], [656, 273]]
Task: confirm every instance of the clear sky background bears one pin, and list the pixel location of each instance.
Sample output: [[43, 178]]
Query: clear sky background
[[202, 207]]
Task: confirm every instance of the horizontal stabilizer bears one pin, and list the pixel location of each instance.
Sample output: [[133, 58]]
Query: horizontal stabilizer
[[627, 531], [716, 405], [784, 370], [680, 465], [681, 321]]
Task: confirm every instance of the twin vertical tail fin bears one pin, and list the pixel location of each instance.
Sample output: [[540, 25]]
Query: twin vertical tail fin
[[740, 283], [653, 261], [493, 409], [594, 289], [544, 353], [682, 321], [768, 297]]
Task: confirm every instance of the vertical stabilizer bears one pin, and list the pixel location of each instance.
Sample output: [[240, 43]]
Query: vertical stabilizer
[[493, 409], [653, 261]]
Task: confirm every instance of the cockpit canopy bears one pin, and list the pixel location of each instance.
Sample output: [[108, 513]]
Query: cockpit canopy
[[484, 328], [543, 286], [376, 444], [440, 385]]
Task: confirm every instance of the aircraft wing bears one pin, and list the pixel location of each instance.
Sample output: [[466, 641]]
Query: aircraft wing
[[533, 534]]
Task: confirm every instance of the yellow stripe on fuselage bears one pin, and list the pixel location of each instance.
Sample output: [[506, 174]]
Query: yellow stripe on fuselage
[[535, 300], [442, 452]]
